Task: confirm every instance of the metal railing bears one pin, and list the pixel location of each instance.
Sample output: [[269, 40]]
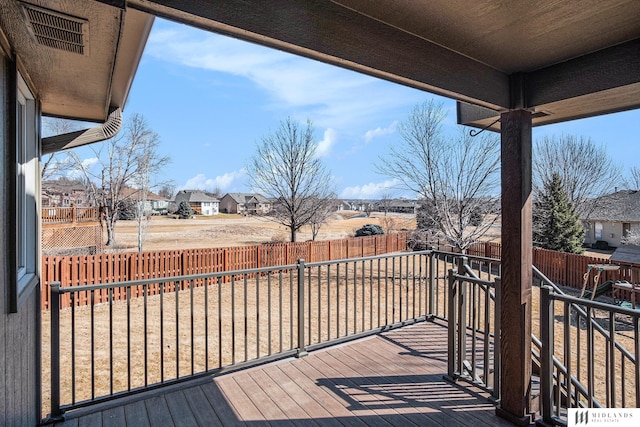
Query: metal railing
[[584, 358], [156, 332], [474, 325]]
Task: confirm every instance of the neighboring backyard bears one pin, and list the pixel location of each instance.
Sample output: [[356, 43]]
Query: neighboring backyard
[[226, 230]]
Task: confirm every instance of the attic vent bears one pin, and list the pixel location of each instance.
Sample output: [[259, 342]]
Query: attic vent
[[56, 30]]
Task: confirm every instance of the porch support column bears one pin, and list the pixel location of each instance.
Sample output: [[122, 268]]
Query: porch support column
[[515, 344]]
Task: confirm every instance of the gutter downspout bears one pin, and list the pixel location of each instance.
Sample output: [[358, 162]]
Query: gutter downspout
[[65, 141]]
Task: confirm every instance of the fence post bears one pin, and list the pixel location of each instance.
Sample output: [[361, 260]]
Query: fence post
[[302, 351], [55, 351], [497, 352], [546, 336]]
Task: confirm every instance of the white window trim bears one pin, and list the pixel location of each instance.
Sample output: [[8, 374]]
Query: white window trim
[[25, 181]]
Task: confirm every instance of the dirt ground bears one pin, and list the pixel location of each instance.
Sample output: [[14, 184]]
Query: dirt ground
[[235, 230]]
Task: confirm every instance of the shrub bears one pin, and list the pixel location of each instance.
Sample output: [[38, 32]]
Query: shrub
[[369, 230]]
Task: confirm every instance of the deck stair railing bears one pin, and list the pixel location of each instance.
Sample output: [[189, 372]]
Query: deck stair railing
[[473, 328], [584, 356]]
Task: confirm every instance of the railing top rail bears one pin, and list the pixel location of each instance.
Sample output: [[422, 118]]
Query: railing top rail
[[367, 258], [470, 257], [593, 304], [167, 279], [472, 279], [219, 274]]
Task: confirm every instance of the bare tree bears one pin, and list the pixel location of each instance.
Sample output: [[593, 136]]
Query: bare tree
[[129, 160], [456, 178], [385, 202], [586, 170], [323, 210], [54, 165], [285, 168], [633, 180]]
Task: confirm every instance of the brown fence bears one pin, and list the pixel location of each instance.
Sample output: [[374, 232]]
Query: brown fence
[[562, 268], [56, 215], [108, 268]]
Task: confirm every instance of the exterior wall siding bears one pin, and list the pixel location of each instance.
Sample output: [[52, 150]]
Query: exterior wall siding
[[609, 229], [19, 332]]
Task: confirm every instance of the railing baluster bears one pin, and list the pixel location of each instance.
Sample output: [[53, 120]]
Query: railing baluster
[[176, 290], [612, 361], [546, 336], [93, 347], [301, 341], [73, 346], [145, 329], [206, 285], [191, 285], [497, 346], [128, 298], [55, 351], [257, 315]]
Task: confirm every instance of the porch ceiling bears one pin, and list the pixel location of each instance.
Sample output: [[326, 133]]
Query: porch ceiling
[[562, 60]]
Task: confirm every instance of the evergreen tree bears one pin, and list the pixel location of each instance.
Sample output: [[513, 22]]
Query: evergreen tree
[[184, 210], [556, 225]]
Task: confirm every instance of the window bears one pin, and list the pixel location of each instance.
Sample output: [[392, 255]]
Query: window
[[598, 231], [25, 190], [626, 229]]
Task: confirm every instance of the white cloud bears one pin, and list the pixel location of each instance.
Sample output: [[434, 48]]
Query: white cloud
[[222, 182], [87, 164], [372, 190], [331, 96], [329, 140], [370, 134]]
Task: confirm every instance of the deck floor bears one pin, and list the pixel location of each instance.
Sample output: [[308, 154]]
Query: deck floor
[[392, 379]]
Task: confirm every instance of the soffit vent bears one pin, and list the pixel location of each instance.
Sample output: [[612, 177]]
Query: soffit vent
[[57, 30]]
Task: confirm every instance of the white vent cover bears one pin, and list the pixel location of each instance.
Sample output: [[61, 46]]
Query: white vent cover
[[57, 30]]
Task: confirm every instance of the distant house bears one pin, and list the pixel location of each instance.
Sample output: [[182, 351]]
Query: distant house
[[616, 217], [245, 203], [343, 206], [401, 206], [153, 204], [63, 193], [201, 203]]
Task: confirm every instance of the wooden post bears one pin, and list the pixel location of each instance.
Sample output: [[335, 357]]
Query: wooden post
[[515, 344]]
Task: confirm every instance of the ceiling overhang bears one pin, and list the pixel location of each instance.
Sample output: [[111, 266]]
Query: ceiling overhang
[[564, 60]]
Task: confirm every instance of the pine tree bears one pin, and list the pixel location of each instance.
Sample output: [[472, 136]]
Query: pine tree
[[184, 210], [556, 225]]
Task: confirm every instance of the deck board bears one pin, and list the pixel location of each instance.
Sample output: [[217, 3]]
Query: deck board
[[201, 408], [136, 414], [158, 412], [181, 413], [386, 380]]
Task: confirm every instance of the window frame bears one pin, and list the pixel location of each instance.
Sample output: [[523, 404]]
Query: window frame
[[23, 177]]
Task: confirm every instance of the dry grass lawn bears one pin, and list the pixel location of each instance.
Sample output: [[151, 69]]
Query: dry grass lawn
[[234, 230]]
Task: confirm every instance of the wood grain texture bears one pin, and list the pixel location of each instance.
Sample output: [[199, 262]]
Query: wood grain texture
[[516, 262], [394, 379]]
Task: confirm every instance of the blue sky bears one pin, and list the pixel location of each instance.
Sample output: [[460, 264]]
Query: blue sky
[[211, 98]]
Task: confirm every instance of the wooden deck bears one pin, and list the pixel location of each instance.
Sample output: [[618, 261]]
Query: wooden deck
[[392, 379]]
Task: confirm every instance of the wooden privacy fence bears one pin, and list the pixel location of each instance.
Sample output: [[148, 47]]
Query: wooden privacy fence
[[121, 267], [562, 268], [569, 269]]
